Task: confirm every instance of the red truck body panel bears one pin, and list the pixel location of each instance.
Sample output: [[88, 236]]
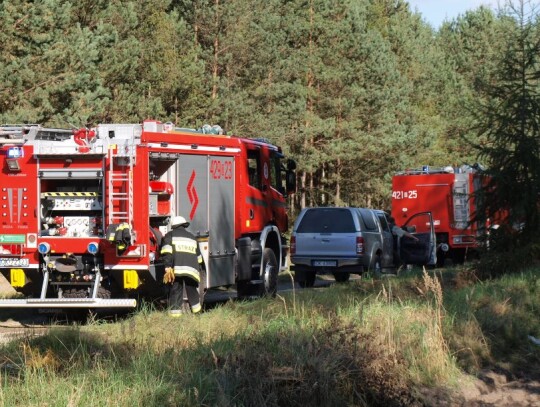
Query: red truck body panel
[[66, 192], [449, 195]]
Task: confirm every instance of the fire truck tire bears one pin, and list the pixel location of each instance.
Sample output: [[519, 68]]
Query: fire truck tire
[[270, 272], [243, 289], [75, 293], [441, 259], [83, 293], [458, 256], [342, 277]]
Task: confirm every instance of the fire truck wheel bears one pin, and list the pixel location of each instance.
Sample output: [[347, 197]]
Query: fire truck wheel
[[342, 277], [270, 272]]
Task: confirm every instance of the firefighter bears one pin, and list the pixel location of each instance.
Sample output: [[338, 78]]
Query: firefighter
[[183, 261], [397, 234]]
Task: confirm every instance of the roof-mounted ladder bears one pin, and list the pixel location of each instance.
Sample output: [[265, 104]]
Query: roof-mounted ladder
[[461, 201], [120, 197]]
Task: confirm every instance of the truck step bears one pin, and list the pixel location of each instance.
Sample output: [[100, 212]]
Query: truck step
[[68, 303]]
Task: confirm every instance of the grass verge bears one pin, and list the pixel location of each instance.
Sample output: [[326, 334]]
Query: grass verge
[[365, 343]]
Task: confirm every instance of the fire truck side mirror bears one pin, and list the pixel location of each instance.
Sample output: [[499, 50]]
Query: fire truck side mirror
[[291, 165], [290, 181]]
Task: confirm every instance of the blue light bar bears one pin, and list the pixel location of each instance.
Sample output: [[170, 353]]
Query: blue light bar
[[15, 152]]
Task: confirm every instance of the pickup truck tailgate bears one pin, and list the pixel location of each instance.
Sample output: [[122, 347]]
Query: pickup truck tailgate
[[326, 244], [326, 232]]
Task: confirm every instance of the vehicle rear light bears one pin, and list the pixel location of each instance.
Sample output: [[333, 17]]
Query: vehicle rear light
[[11, 250], [359, 245], [463, 239], [292, 246]]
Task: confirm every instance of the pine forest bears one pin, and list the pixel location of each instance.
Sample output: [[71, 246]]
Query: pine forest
[[353, 90]]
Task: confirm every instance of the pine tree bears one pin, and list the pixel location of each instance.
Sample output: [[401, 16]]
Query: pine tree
[[509, 128], [470, 43], [49, 72]]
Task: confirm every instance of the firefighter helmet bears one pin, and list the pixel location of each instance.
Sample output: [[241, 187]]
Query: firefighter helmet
[[179, 221]]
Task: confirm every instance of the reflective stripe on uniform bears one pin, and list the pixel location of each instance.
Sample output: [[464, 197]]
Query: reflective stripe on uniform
[[196, 308], [166, 249], [200, 259], [186, 271], [175, 313], [184, 244]]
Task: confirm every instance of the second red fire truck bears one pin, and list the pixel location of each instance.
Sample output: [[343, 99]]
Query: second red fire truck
[[82, 212], [448, 193]]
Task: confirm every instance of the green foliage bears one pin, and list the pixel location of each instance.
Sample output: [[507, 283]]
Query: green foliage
[[508, 124], [354, 91]]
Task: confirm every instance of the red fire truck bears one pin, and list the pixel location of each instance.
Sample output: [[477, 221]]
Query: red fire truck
[[83, 211], [448, 194]]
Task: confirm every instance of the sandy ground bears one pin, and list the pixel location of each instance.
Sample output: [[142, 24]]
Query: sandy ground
[[488, 389], [5, 288], [493, 389]]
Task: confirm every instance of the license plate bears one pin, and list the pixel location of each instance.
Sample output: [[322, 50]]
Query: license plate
[[13, 262], [324, 263]]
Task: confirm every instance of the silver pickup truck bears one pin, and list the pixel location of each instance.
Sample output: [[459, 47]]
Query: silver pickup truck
[[345, 240]]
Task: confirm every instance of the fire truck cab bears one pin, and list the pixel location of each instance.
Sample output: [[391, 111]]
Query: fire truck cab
[[83, 211]]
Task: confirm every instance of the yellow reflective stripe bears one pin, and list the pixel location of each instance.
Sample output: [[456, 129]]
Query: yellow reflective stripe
[[199, 259], [186, 271], [185, 249], [185, 245], [196, 308], [166, 249], [185, 240]]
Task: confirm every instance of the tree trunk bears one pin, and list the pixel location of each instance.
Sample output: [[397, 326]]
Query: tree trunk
[[215, 68]]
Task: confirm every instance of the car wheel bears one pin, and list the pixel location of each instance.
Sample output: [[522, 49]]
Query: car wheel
[[342, 277], [270, 272]]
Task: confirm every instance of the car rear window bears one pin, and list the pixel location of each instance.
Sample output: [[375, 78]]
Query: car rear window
[[327, 220]]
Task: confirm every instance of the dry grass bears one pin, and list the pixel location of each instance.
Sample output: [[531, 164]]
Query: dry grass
[[367, 343]]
